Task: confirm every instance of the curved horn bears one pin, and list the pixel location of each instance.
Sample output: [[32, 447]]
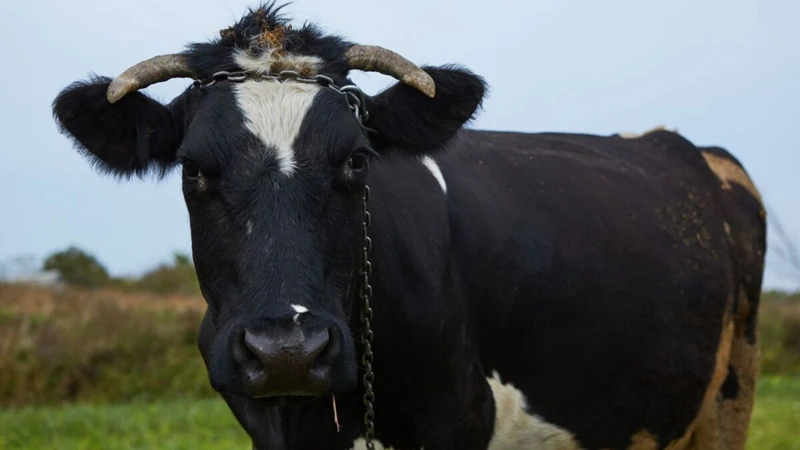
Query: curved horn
[[154, 70], [372, 58]]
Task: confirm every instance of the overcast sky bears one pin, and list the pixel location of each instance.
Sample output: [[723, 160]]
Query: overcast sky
[[723, 72]]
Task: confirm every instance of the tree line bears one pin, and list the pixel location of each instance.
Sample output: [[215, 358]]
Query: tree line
[[79, 268]]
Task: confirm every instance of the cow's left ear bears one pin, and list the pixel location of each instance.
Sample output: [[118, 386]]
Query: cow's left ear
[[131, 137], [408, 120]]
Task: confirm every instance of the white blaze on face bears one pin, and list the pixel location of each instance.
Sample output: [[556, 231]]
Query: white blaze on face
[[274, 112]]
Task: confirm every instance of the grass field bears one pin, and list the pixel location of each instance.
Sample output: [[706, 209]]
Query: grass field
[[206, 424]]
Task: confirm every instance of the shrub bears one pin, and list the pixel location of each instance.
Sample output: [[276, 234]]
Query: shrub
[[177, 278], [779, 333], [75, 267]]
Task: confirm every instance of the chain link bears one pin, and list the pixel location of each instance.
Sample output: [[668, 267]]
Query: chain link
[[366, 332], [357, 104]]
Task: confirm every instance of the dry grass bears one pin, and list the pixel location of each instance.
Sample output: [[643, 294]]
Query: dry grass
[[66, 344], [779, 333]]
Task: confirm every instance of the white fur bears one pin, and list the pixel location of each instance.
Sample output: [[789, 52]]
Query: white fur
[[271, 62], [516, 429], [431, 164], [298, 309], [249, 227], [274, 112]]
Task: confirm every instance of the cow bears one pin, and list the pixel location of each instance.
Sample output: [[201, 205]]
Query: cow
[[379, 274]]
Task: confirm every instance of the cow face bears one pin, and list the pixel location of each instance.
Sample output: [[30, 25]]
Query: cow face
[[273, 175], [273, 178]]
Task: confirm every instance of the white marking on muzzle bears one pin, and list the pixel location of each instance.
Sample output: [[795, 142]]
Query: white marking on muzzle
[[298, 309]]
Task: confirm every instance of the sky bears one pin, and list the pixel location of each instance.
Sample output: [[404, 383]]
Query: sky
[[723, 73]]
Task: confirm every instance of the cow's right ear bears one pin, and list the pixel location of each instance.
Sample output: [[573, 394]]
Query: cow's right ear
[[131, 137]]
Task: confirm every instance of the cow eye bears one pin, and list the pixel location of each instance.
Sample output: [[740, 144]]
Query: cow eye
[[358, 161], [190, 170]]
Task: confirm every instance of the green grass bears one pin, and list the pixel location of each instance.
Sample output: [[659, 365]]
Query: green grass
[[207, 424], [179, 424], [776, 419]]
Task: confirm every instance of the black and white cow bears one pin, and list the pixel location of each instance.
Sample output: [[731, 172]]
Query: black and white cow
[[529, 291]]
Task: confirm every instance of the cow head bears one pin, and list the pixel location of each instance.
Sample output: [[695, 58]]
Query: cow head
[[273, 174]]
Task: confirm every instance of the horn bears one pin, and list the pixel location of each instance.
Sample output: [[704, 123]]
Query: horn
[[154, 70], [371, 58]]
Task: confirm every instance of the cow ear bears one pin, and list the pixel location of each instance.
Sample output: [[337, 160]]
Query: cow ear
[[134, 136], [409, 121]]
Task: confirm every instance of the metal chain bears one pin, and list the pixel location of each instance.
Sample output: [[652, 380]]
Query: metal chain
[[355, 101], [353, 94], [366, 332]]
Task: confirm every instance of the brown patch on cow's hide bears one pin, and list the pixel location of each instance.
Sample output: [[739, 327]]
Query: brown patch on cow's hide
[[734, 414], [742, 312], [728, 171], [631, 135], [643, 440]]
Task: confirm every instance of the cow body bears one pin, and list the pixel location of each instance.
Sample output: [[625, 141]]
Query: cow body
[[596, 277], [543, 291]]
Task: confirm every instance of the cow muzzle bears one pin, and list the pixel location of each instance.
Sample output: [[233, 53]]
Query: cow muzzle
[[286, 358]]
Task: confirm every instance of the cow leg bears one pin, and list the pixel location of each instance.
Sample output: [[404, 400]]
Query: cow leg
[[738, 393], [705, 432], [723, 421]]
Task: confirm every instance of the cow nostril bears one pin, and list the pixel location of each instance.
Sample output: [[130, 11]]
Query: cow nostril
[[297, 351], [330, 351], [245, 352]]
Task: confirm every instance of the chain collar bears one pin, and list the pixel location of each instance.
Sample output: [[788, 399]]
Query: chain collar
[[353, 95], [355, 99]]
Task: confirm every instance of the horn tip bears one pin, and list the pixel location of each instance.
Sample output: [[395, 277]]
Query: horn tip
[[115, 92], [423, 83]]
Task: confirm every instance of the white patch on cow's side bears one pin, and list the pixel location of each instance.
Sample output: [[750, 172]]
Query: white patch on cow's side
[[431, 164], [361, 444], [274, 112], [516, 429], [298, 309], [249, 227]]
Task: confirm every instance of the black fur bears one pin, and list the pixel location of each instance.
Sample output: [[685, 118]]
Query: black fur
[[591, 272], [131, 137], [408, 120]]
